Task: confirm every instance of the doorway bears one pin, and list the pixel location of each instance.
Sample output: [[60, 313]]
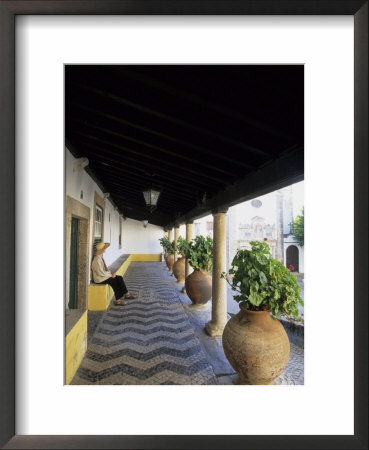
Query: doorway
[[293, 257]]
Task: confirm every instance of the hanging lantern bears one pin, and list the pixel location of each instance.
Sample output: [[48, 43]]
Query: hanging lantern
[[145, 222], [151, 197]]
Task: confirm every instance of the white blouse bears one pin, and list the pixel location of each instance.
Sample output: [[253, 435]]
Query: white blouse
[[100, 272]]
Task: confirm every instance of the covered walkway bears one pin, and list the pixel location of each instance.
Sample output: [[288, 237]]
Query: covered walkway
[[151, 148], [159, 338]]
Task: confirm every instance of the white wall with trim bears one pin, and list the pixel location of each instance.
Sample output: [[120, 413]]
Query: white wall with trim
[[135, 238]]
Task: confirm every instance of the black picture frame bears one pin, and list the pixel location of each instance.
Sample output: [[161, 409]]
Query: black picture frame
[[8, 11]]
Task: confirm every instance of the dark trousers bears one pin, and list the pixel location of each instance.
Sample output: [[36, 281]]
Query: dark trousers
[[118, 285]]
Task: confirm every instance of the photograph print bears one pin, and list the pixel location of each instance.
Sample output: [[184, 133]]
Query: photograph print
[[184, 224]]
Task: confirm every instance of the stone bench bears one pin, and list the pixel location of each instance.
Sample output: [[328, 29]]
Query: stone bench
[[100, 295], [295, 332]]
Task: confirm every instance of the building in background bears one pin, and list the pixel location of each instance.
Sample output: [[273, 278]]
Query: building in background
[[266, 218]]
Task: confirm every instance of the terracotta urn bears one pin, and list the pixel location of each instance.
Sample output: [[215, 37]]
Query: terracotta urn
[[169, 261], [179, 269], [256, 345], [198, 287]]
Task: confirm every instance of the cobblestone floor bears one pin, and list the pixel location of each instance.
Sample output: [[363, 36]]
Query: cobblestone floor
[[159, 338]]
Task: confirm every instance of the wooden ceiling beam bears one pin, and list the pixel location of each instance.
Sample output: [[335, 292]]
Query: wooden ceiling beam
[[184, 168], [188, 96], [128, 206], [123, 191], [180, 122], [178, 155], [282, 172], [198, 148], [152, 166], [176, 177], [142, 176], [175, 193]]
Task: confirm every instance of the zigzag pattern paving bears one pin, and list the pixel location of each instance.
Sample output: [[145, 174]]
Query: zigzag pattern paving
[[148, 341]]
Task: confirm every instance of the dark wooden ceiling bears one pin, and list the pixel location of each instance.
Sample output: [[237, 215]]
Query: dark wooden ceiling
[[208, 136]]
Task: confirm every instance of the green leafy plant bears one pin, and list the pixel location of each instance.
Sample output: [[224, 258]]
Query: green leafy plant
[[263, 283], [201, 253], [167, 245], [297, 228], [183, 247]]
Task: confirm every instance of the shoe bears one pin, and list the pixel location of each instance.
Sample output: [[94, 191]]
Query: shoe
[[119, 302]]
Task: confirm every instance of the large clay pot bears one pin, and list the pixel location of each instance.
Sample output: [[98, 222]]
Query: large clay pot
[[256, 345], [179, 269], [170, 261], [198, 287]]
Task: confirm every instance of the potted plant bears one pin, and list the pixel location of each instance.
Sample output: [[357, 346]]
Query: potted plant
[[198, 284], [254, 342], [162, 240], [168, 251], [180, 265]]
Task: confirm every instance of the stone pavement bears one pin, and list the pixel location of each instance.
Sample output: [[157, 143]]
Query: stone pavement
[[159, 338]]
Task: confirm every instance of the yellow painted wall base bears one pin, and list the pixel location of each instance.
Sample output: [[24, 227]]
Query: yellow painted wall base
[[99, 296], [146, 257], [75, 347], [123, 268]]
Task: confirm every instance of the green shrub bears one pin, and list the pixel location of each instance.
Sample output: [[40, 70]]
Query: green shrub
[[183, 247], [167, 245], [263, 283], [201, 253], [298, 228]]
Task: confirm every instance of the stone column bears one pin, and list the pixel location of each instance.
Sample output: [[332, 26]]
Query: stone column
[[170, 231], [219, 295], [288, 211], [176, 234], [189, 237]]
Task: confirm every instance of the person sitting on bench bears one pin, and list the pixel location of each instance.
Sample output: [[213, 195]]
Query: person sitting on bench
[[102, 275]]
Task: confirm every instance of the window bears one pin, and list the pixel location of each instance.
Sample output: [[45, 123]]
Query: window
[[98, 226], [98, 223], [209, 226], [258, 232], [256, 203], [197, 228]]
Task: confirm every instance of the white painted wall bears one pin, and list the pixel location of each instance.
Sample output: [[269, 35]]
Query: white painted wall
[[111, 233], [77, 182], [135, 238], [182, 231]]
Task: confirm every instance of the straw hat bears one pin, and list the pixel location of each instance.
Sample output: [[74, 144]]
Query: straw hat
[[101, 246]]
